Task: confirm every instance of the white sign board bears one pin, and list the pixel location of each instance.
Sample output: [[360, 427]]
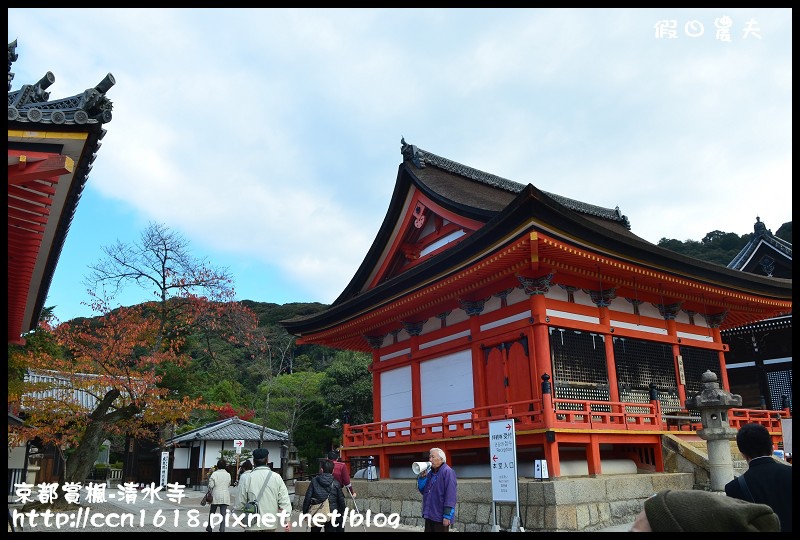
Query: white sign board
[[786, 426], [503, 460], [238, 444], [164, 468]]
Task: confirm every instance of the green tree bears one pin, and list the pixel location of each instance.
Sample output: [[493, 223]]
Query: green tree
[[347, 386], [293, 396]]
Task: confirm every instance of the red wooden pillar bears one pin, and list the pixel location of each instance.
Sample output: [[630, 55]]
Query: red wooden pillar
[[376, 387], [541, 354], [478, 364], [593, 456], [723, 365], [678, 365], [611, 364], [550, 442]]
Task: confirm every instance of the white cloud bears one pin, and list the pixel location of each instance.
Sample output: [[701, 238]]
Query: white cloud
[[270, 137]]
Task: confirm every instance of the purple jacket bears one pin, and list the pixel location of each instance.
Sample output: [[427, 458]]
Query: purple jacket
[[438, 493]]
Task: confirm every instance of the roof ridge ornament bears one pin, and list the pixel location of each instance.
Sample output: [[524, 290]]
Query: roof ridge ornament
[[412, 153], [12, 57], [31, 103]]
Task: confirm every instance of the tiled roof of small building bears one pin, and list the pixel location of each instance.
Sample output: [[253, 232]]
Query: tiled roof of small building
[[230, 429]]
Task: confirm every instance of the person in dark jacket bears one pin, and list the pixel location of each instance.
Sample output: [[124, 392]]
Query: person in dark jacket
[[341, 475], [768, 480], [438, 485], [324, 486]]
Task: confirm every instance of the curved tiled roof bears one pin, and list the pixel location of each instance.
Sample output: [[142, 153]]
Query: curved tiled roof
[[506, 211], [230, 429], [420, 158]]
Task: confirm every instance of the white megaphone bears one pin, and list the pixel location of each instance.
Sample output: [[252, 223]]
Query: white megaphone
[[420, 467]]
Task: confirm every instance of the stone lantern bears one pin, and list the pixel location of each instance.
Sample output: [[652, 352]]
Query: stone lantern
[[713, 403]]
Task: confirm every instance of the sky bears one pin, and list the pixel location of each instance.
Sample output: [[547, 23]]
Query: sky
[[270, 138]]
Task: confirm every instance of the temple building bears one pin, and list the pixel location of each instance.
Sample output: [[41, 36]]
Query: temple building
[[483, 299], [759, 361]]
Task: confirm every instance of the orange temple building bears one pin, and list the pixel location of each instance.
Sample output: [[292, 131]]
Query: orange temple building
[[484, 299]]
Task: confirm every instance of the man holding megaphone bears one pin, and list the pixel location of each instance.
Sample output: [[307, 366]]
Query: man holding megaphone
[[437, 482]]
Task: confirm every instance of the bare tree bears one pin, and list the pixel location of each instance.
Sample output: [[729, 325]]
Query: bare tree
[[161, 262]]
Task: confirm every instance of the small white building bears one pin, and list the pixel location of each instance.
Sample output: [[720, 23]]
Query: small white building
[[193, 453]]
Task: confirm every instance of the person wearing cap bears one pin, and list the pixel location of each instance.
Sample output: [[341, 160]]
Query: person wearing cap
[[703, 511], [273, 499], [767, 480], [341, 475]]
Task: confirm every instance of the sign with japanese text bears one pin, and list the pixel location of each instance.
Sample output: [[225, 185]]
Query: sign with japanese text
[[238, 444], [164, 468], [503, 460]]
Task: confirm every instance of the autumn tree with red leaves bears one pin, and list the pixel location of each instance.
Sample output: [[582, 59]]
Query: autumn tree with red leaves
[[117, 359], [104, 384], [227, 411]]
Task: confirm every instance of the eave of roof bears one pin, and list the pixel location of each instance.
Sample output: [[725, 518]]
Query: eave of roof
[[774, 323], [38, 125]]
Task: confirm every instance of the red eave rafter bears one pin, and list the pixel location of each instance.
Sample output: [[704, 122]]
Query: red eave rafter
[[32, 183], [543, 252], [507, 261], [42, 166], [624, 274]]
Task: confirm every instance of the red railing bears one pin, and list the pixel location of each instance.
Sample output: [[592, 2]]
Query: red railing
[[572, 413], [771, 419], [568, 413], [462, 423]]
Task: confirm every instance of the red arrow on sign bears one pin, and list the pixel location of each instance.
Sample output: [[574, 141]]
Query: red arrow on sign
[[508, 426], [494, 458]]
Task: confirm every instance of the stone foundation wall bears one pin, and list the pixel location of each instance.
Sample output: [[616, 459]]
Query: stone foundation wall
[[562, 504]]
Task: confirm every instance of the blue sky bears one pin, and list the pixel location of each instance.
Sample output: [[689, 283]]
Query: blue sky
[[270, 138]]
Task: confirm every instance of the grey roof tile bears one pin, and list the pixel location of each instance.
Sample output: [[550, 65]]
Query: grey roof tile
[[229, 429]]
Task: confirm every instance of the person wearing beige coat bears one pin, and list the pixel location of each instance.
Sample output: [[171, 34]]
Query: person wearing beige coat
[[219, 483]]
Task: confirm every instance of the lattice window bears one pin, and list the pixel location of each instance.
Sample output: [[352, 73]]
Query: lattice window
[[640, 363], [579, 365], [695, 363], [780, 384]]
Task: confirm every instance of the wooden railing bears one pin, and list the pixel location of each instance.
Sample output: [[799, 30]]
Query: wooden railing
[[770, 419], [584, 414], [568, 413]]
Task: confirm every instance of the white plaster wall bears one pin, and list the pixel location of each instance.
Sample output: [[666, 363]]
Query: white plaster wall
[[396, 395]]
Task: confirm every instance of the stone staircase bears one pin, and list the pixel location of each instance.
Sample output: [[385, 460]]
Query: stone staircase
[[689, 453]]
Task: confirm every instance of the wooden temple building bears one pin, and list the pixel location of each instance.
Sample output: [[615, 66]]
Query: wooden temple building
[[483, 299]]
